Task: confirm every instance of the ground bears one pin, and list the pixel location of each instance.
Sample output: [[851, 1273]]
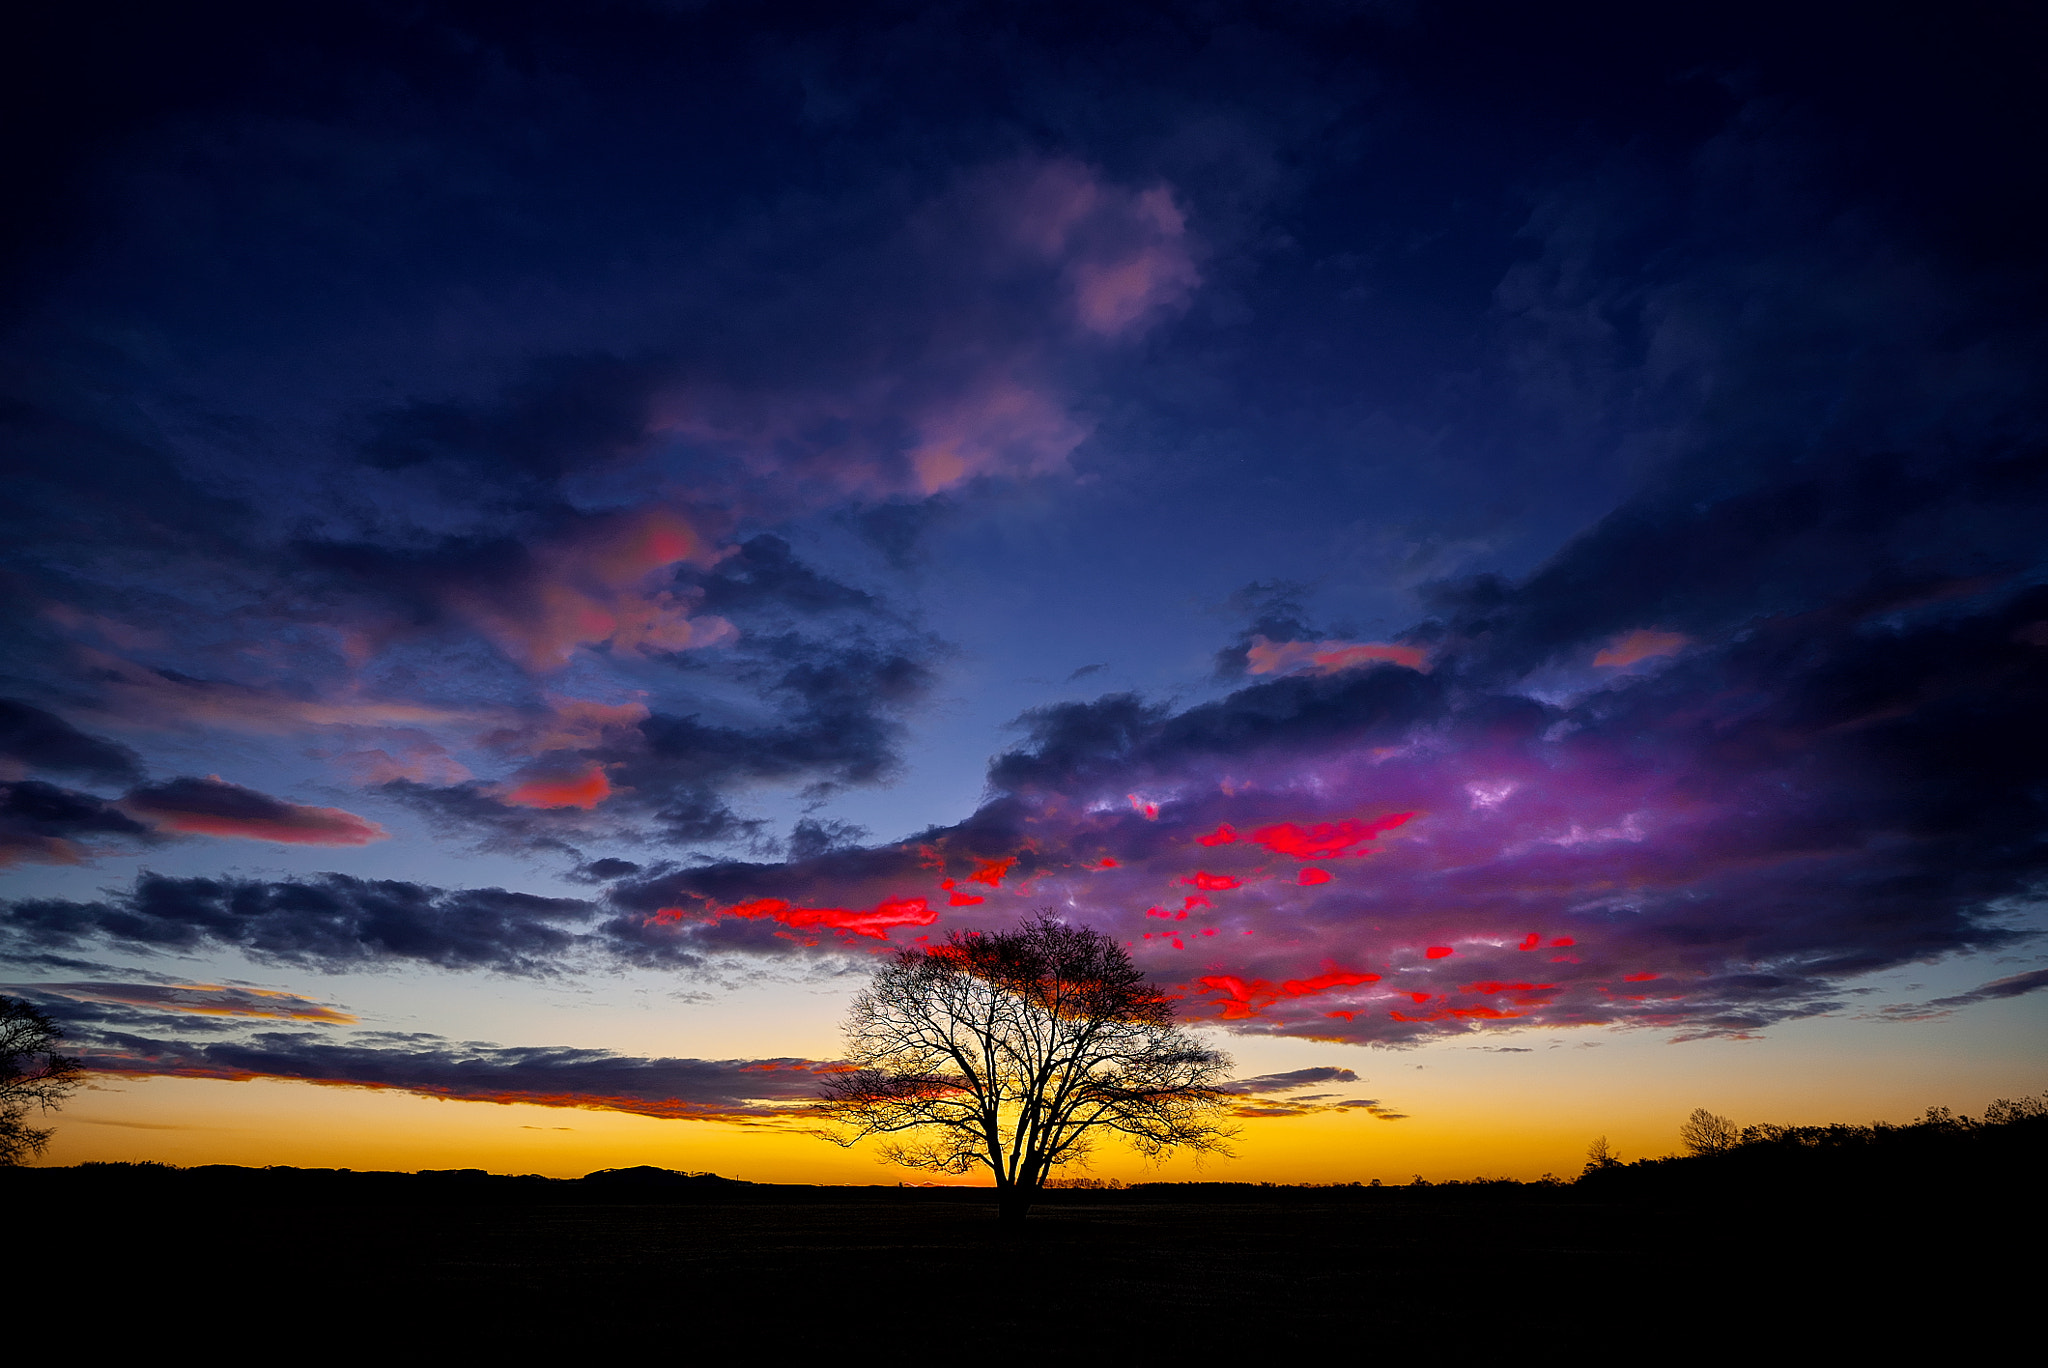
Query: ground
[[880, 1274]]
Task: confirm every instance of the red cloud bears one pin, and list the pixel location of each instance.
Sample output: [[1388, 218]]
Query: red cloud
[[991, 872], [874, 923], [1244, 999], [1212, 882], [1310, 877], [586, 791], [1325, 839], [1222, 835]]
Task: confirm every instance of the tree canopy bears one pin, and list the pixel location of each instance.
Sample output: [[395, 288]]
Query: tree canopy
[[32, 1074], [1013, 1051], [1704, 1132]]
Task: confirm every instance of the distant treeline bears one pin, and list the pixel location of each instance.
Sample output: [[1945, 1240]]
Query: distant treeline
[[2003, 1150], [2006, 1151]]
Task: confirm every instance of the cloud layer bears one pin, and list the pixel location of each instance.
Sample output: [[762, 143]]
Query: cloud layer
[[1822, 769]]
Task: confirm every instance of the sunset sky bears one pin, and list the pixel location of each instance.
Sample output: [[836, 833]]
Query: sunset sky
[[1500, 548]]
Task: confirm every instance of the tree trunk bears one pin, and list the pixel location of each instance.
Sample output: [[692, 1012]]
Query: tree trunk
[[1012, 1203]]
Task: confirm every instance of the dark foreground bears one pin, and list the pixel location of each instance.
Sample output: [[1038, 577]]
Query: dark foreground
[[1225, 1274]]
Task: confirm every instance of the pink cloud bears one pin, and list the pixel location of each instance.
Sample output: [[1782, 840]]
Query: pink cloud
[[1643, 644], [420, 761], [1121, 292], [1001, 425], [569, 724], [1327, 657], [1124, 254], [597, 585], [975, 388]]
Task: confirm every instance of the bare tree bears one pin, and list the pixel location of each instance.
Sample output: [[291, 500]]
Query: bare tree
[[32, 1074], [1013, 1050], [1706, 1133]]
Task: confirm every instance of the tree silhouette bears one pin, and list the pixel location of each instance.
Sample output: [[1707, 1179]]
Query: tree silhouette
[[32, 1074], [1706, 1133], [1013, 1050]]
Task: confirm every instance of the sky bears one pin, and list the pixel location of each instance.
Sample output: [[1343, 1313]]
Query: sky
[[1498, 548]]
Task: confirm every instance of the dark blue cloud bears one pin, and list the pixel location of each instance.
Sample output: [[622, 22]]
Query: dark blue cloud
[[46, 823], [331, 922], [145, 1030], [44, 741]]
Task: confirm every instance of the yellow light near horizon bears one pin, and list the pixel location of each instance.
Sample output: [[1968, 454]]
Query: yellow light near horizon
[[1471, 1112]]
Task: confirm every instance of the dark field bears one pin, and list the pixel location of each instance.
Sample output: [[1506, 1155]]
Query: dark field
[[870, 1274]]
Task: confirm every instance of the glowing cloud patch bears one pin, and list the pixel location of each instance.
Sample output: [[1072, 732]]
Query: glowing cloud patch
[[1308, 878], [875, 922], [1211, 883], [991, 872], [1640, 645], [1338, 978], [1325, 840], [1439, 952], [1327, 657], [585, 791], [598, 583], [1222, 835], [1244, 998]]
